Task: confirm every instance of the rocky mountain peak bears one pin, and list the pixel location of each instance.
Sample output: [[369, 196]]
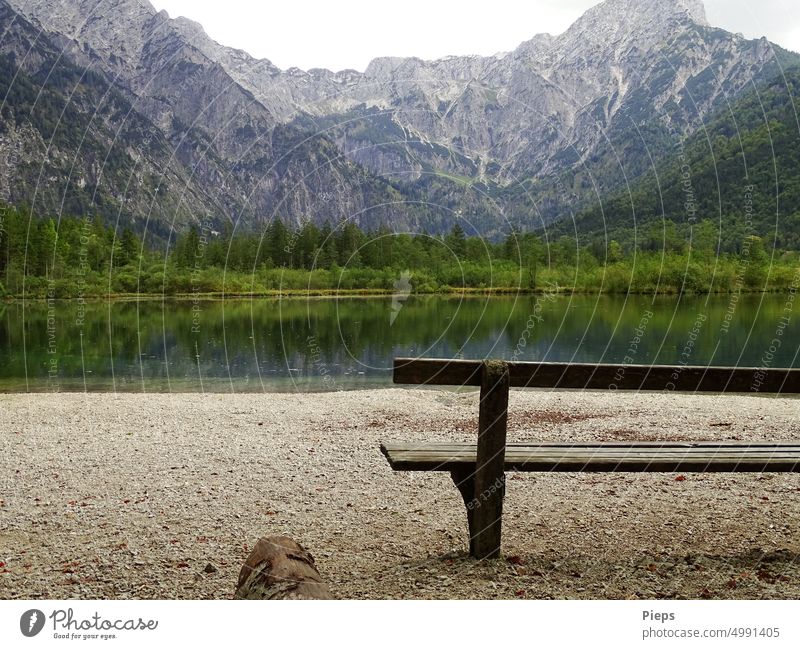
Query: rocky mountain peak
[[75, 15], [641, 20], [636, 12]]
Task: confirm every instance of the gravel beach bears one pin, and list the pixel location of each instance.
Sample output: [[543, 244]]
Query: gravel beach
[[163, 495]]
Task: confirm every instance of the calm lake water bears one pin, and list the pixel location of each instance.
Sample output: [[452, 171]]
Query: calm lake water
[[332, 344]]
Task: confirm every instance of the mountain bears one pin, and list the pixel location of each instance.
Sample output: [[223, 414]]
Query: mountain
[[201, 131], [738, 176], [180, 143]]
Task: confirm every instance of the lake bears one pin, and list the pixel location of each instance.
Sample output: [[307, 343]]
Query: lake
[[312, 344]]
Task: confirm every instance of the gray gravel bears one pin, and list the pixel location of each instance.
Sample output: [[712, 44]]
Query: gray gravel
[[162, 496]]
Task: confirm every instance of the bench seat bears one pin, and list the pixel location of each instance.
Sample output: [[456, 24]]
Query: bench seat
[[689, 457]]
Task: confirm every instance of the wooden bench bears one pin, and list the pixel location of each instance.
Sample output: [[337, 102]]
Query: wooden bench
[[478, 470]]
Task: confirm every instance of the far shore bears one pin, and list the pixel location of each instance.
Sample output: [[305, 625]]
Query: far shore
[[372, 293]]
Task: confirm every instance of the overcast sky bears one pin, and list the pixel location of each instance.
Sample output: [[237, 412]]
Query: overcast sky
[[349, 33]]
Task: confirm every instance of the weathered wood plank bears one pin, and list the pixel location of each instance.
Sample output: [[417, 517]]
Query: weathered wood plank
[[513, 458], [754, 446], [588, 453], [558, 458], [487, 502], [611, 452], [603, 377], [429, 371], [461, 448]]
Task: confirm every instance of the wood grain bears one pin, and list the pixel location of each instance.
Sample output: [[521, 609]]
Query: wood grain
[[489, 489], [704, 458], [580, 376]]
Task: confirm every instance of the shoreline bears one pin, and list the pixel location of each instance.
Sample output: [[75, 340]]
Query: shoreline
[[372, 294], [132, 496], [79, 389]]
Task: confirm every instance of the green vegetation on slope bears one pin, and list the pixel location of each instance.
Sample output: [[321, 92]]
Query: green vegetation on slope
[[741, 174]]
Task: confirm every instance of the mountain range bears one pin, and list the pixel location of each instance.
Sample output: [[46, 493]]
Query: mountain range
[[113, 108]]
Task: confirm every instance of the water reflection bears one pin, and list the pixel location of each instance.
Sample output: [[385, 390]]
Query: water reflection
[[324, 344]]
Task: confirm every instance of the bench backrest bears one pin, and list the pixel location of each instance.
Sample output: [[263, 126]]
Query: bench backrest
[[586, 376]]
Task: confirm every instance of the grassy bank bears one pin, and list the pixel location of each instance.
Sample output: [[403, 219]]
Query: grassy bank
[[646, 273]]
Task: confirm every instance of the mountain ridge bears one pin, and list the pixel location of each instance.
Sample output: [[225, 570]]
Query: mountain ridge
[[493, 137]]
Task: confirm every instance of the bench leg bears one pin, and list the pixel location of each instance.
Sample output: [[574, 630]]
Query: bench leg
[[490, 481], [464, 479], [483, 485]]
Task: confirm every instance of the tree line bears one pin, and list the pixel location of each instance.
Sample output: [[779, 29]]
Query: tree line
[[74, 257]]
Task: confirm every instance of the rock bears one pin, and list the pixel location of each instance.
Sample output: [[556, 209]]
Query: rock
[[280, 568], [210, 567]]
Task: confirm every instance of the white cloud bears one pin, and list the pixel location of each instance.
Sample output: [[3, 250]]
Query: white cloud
[[338, 35], [348, 34], [778, 20]]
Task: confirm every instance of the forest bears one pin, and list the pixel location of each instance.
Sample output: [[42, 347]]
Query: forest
[[85, 257]]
